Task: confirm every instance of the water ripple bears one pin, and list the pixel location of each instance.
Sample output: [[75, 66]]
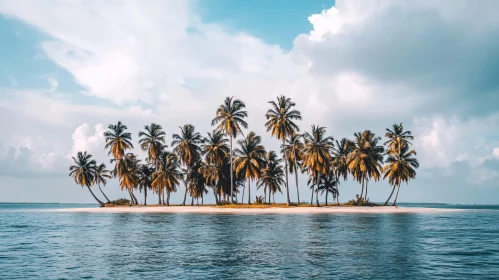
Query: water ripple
[[43, 245]]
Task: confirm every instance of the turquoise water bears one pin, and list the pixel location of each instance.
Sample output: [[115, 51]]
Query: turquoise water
[[50, 245]]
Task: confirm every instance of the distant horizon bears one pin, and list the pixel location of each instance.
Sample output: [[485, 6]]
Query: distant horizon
[[332, 205]]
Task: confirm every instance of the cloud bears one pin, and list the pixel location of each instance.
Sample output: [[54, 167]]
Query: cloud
[[23, 162], [441, 141], [364, 65], [84, 140], [429, 47], [495, 152]]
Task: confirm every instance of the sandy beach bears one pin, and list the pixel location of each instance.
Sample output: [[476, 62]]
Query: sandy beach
[[274, 210]]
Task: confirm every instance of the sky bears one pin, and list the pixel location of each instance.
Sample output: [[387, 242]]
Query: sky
[[68, 69]]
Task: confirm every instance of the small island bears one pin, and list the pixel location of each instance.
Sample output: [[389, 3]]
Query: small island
[[213, 162]]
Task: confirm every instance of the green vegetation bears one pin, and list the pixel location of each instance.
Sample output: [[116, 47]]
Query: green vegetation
[[202, 163]]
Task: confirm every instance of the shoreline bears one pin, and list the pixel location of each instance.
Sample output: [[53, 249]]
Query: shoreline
[[252, 211]]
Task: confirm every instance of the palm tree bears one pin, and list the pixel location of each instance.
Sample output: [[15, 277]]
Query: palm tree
[[197, 182], [153, 141], [117, 140], [186, 146], [364, 162], [329, 184], [215, 148], [229, 119], [101, 176], [272, 174], [280, 119], [168, 175], [216, 151], [83, 172], [250, 159], [397, 138], [145, 179], [340, 152], [128, 172], [293, 148], [316, 156], [400, 168]]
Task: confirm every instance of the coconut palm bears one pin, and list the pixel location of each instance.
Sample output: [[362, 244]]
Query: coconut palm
[[397, 138], [364, 161], [316, 154], [293, 148], [118, 140], [101, 176], [168, 175], [311, 183], [280, 119], [215, 148], [229, 119], [186, 147], [272, 175], [83, 172], [401, 167], [197, 182], [152, 140], [145, 179], [127, 170], [329, 184], [250, 159], [340, 152]]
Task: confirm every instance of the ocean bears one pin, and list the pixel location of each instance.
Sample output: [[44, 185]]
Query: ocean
[[57, 245]]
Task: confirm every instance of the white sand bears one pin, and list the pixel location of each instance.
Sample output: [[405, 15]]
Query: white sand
[[276, 210]]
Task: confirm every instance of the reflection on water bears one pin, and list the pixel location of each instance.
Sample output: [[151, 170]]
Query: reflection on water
[[185, 246]]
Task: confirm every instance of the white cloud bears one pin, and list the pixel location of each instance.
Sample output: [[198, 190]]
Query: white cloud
[[139, 64], [85, 140], [495, 152], [441, 141], [480, 175]]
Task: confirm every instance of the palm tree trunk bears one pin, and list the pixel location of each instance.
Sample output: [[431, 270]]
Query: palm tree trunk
[[216, 197], [269, 195], [365, 195], [286, 167], [249, 192], [104, 194], [362, 192], [101, 204], [327, 193], [297, 190], [386, 202], [145, 196], [395, 201], [338, 199], [134, 198], [131, 197], [185, 194], [159, 197], [163, 195], [317, 194], [242, 197], [312, 198], [231, 175], [202, 200], [192, 200]]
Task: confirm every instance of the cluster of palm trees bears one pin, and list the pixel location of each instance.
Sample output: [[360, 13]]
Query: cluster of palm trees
[[211, 162]]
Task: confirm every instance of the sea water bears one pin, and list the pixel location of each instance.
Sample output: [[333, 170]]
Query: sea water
[[36, 244]]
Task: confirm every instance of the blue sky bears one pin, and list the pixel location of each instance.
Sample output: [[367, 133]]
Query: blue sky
[[275, 22], [69, 69]]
